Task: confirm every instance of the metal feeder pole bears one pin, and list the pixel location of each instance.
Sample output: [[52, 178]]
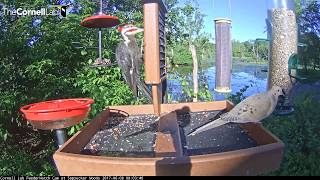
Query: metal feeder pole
[[61, 136], [100, 35], [100, 44]]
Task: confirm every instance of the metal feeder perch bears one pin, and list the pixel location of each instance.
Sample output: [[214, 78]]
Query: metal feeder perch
[[152, 139], [57, 115], [100, 21]]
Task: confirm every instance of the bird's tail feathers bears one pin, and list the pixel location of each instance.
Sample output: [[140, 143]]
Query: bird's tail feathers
[[210, 125], [142, 86]]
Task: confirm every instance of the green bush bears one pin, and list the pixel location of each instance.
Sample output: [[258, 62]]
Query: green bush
[[300, 133], [51, 67], [15, 161]]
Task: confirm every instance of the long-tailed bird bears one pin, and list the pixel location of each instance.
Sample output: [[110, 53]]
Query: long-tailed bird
[[129, 59], [253, 109]]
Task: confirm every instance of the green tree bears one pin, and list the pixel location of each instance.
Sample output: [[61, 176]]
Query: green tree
[[309, 30], [38, 62]]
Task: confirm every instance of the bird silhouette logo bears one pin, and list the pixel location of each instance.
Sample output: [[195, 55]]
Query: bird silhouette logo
[[62, 8], [63, 11]]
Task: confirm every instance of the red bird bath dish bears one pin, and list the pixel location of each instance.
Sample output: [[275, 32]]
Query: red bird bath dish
[[57, 115]]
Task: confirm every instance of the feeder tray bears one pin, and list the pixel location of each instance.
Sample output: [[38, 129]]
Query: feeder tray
[[284, 110], [100, 21], [57, 114], [238, 150], [103, 65]]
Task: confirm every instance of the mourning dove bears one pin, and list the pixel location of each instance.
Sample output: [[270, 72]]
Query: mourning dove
[[253, 109]]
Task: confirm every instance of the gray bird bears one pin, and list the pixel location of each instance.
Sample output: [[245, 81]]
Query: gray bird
[[253, 109]]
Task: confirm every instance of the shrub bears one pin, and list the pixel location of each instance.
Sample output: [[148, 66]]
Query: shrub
[[300, 133]]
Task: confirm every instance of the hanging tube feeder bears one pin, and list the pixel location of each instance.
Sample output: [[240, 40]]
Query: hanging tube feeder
[[223, 55], [283, 35]]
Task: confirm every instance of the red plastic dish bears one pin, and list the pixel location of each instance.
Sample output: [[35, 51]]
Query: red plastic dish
[[100, 21], [57, 114]]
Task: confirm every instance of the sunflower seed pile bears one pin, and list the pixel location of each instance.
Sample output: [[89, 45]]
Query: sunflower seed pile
[[284, 40], [134, 136], [225, 138], [116, 139]]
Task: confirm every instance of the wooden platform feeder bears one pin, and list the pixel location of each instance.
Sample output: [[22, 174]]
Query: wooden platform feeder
[[220, 151]]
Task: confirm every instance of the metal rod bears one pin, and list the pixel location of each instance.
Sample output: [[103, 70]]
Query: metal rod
[[61, 137], [100, 6], [100, 44], [230, 9]]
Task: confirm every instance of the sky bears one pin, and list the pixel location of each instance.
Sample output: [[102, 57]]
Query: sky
[[248, 17]]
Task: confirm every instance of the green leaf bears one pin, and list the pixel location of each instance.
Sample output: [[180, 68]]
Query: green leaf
[[83, 52]]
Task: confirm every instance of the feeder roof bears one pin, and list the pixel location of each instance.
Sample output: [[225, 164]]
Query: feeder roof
[[100, 21], [223, 20]]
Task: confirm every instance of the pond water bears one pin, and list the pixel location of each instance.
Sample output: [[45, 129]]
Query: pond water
[[251, 75]]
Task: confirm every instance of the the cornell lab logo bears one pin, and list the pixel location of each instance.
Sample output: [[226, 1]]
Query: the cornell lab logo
[[51, 10]]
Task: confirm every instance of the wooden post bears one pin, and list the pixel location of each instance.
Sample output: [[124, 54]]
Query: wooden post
[[154, 54], [156, 100]]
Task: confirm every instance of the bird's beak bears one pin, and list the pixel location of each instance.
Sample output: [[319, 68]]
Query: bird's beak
[[134, 31], [139, 30]]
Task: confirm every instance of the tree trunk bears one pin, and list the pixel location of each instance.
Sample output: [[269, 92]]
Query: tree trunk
[[255, 52], [202, 55], [195, 72], [305, 67], [241, 52], [172, 59]]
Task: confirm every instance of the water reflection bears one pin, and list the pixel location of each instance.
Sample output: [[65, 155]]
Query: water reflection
[[242, 75]]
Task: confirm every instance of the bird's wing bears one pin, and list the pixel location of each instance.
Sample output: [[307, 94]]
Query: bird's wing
[[124, 62], [252, 109], [211, 125]]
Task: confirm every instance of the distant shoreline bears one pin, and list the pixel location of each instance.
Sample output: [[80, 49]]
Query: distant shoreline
[[235, 60]]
